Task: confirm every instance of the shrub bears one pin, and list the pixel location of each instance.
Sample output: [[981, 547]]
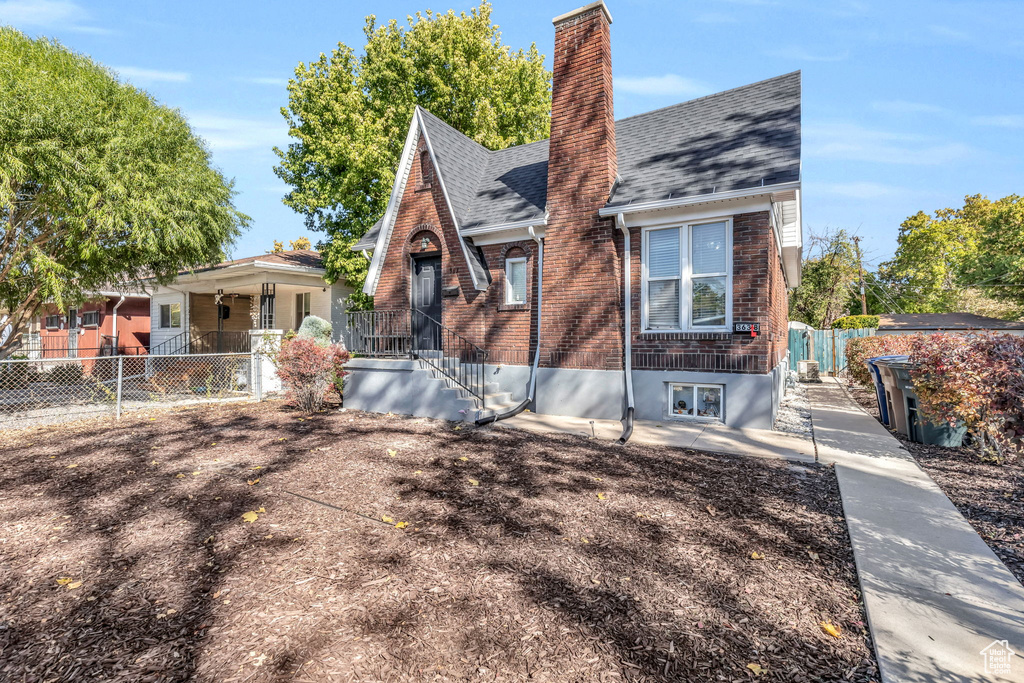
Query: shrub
[[974, 380], [855, 322], [310, 371], [859, 349], [317, 329]]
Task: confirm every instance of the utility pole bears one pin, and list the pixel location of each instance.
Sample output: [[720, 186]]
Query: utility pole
[[860, 267]]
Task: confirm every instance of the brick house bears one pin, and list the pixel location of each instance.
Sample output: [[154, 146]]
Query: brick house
[[620, 268]]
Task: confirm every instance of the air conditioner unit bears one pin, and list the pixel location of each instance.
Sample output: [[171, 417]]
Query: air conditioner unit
[[808, 370]]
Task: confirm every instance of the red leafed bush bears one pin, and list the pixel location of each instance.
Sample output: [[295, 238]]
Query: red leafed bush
[[976, 380], [859, 349], [310, 371]]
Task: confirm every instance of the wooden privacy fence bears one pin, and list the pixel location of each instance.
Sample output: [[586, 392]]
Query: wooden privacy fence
[[828, 347]]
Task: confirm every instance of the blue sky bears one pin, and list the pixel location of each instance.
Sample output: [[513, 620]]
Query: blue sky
[[907, 105]]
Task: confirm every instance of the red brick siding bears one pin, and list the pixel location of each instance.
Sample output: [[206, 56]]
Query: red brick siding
[[582, 307], [481, 317], [758, 289]]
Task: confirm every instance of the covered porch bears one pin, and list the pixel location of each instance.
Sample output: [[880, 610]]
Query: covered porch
[[220, 310]]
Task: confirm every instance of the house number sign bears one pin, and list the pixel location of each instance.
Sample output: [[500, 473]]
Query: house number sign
[[753, 329]]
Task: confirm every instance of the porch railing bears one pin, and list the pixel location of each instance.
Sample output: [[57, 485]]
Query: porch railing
[[407, 333], [228, 341]]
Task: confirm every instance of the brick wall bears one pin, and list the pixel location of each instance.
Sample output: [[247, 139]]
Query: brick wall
[[506, 332], [759, 295], [582, 316]]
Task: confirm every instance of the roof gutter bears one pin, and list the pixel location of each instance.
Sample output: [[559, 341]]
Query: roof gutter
[[530, 225], [697, 199]]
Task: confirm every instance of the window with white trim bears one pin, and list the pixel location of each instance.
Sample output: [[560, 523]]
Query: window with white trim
[[91, 319], [695, 401], [170, 316], [515, 280], [687, 277]]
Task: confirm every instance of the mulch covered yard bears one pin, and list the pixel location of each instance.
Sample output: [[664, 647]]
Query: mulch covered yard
[[989, 495], [452, 554]]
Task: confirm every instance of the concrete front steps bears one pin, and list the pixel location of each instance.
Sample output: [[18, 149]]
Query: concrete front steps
[[415, 387]]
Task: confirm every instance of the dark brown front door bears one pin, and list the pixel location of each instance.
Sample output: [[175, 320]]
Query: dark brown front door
[[426, 303]]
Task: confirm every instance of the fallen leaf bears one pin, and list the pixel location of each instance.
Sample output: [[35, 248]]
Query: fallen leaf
[[830, 629], [585, 541], [253, 482], [601, 496], [392, 452], [418, 472], [179, 476], [474, 482], [401, 525], [464, 459], [756, 555], [711, 510], [250, 516], [196, 473], [75, 465], [261, 510], [64, 580], [813, 555], [456, 428], [756, 668], [385, 518], [73, 585]]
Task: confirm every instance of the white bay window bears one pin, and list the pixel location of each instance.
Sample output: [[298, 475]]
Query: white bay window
[[687, 277]]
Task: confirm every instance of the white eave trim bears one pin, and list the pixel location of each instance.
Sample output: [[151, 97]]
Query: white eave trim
[[698, 199], [404, 165], [501, 227], [451, 210]]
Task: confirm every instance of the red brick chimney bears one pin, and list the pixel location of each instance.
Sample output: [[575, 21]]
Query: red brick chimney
[[582, 316]]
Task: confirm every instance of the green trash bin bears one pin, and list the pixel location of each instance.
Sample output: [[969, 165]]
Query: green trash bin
[[919, 427]]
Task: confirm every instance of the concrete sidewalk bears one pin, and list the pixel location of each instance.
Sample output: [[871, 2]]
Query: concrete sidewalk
[[936, 594], [704, 436]]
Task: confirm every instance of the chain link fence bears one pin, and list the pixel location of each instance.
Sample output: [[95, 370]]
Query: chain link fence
[[46, 391]]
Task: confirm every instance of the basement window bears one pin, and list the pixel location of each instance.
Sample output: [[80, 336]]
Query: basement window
[[695, 401]]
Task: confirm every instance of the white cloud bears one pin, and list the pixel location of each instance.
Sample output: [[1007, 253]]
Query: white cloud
[[51, 14], [852, 142], [264, 80], [1000, 120], [857, 190], [667, 85], [905, 107], [231, 134], [801, 54], [144, 76]]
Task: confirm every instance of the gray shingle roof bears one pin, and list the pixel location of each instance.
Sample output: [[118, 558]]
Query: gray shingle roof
[[737, 139], [732, 140], [369, 240]]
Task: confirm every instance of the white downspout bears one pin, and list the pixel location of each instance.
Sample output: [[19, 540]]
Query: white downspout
[[620, 220]]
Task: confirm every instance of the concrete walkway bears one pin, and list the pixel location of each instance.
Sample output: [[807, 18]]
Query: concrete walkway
[[707, 436], [936, 595]]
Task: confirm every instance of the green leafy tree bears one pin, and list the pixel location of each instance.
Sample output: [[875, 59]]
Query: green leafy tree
[[825, 292], [349, 115], [99, 184], [998, 267]]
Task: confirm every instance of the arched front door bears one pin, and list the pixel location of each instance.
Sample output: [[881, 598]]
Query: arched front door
[[426, 302]]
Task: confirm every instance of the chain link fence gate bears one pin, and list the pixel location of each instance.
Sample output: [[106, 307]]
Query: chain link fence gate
[[47, 391]]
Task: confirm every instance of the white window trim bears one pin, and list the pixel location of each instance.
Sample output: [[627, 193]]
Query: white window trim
[[85, 324], [508, 289], [686, 277], [170, 316], [670, 387]]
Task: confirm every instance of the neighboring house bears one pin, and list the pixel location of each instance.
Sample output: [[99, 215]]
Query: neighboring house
[[915, 323], [216, 309], [109, 323], [665, 237]]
